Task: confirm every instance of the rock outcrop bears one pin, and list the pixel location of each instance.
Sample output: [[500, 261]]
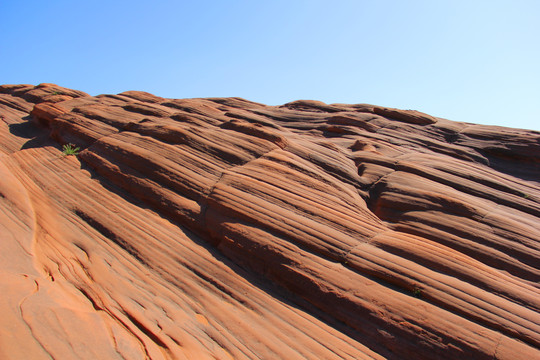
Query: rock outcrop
[[221, 228]]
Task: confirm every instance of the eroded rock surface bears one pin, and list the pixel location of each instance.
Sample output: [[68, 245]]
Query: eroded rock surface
[[220, 228]]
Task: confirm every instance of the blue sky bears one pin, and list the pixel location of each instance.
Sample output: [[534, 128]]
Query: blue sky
[[474, 61]]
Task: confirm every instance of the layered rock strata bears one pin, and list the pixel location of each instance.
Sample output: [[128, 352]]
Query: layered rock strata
[[221, 228]]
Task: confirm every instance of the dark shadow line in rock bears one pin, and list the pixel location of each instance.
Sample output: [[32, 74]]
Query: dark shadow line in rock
[[395, 222], [111, 236], [524, 170], [447, 271], [113, 188], [514, 271], [439, 178]]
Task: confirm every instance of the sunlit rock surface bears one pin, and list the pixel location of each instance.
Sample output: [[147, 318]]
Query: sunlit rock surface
[[220, 228]]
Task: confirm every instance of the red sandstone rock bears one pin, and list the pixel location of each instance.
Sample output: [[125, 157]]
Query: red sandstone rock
[[222, 228]]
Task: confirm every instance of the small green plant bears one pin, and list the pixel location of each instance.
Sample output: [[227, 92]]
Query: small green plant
[[70, 149], [417, 292]]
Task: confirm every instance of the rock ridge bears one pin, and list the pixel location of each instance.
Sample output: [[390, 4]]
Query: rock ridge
[[224, 228]]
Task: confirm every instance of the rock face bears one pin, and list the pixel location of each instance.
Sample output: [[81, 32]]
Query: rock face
[[220, 228]]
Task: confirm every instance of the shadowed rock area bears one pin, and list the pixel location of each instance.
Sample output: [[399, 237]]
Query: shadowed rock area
[[221, 228]]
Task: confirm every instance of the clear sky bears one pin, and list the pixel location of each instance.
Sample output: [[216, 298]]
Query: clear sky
[[465, 60]]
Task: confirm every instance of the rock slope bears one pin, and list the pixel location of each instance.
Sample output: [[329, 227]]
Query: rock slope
[[221, 228]]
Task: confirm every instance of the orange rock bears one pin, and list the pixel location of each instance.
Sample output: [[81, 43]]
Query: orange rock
[[221, 228]]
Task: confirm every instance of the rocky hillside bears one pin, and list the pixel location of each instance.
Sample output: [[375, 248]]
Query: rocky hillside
[[221, 228]]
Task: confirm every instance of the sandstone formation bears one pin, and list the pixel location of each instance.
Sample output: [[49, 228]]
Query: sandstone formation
[[221, 228]]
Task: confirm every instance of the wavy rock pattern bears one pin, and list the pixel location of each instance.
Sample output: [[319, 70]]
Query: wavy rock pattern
[[225, 229]]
